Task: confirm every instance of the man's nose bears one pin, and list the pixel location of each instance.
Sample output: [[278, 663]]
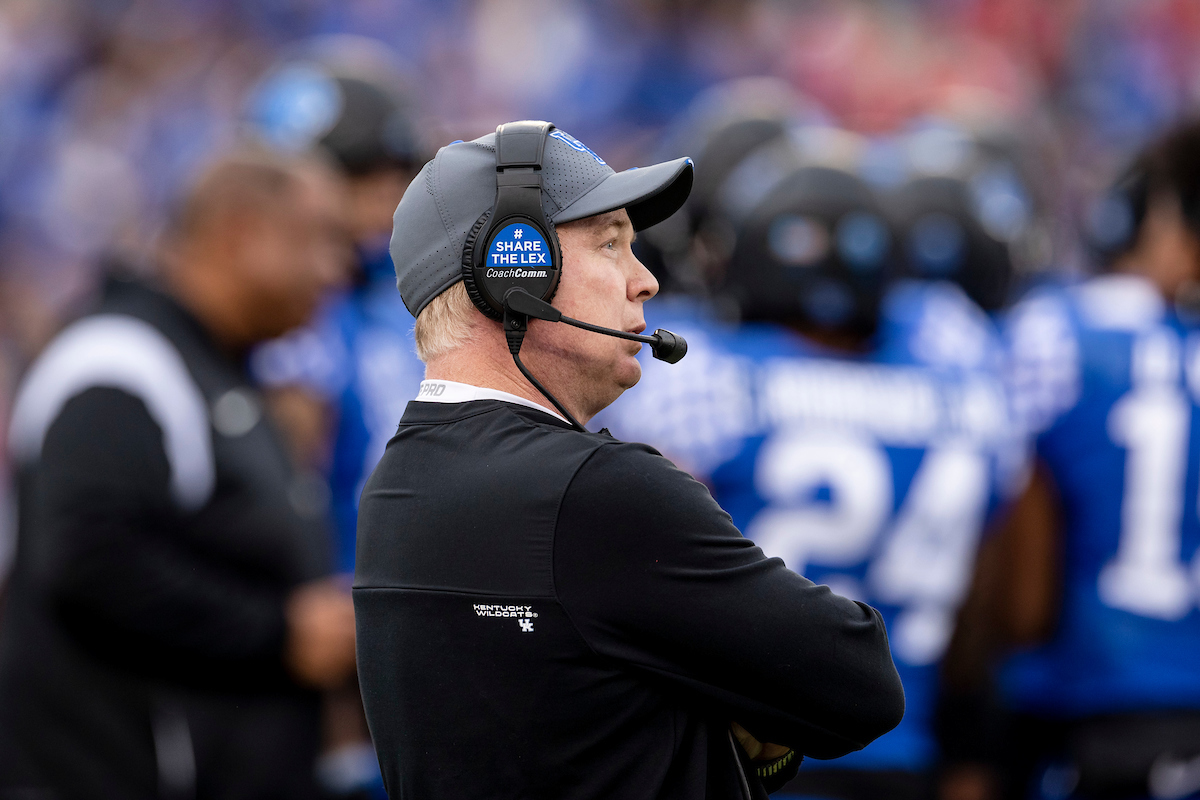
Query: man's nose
[[644, 285]]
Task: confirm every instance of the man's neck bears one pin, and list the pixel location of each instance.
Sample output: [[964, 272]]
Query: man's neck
[[493, 368]]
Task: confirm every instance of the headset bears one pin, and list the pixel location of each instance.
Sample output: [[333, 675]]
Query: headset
[[512, 260]]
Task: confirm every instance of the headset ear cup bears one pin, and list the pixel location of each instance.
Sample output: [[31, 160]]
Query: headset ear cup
[[468, 269], [552, 240]]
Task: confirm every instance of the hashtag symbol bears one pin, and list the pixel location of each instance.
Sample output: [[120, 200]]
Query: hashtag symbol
[[518, 233], [526, 625]]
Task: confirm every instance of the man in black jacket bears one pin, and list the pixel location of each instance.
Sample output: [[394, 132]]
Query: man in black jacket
[[169, 617], [545, 612]]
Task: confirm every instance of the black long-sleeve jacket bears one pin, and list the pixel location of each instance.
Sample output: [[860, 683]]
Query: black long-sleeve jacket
[[544, 613], [141, 645]]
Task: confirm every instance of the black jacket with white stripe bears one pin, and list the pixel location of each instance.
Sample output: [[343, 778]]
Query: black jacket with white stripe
[[544, 613], [141, 647]]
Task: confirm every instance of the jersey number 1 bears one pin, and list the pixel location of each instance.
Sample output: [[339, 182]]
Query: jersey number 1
[[1147, 576]]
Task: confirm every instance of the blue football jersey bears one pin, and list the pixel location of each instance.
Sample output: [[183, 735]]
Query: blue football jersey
[[874, 475], [359, 355], [1107, 378]]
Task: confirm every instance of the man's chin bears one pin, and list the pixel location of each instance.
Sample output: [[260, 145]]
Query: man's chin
[[629, 374]]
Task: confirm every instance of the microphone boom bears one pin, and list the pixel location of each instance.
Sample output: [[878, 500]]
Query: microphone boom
[[666, 346]]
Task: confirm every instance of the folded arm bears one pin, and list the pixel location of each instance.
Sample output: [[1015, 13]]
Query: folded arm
[[654, 573]]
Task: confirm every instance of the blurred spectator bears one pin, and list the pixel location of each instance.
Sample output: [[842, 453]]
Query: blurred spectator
[[168, 616], [357, 360], [8, 509], [109, 105], [341, 384], [1094, 583]]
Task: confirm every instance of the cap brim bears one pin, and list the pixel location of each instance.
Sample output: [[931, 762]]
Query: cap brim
[[649, 194]]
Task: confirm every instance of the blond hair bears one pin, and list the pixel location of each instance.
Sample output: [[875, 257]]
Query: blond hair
[[446, 323]]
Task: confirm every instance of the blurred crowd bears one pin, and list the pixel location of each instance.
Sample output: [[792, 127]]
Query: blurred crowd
[[884, 272], [109, 106]]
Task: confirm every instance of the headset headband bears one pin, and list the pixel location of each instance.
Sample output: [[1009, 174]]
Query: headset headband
[[514, 245]]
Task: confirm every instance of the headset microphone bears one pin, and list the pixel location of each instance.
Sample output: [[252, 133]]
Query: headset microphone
[[667, 346], [520, 306]]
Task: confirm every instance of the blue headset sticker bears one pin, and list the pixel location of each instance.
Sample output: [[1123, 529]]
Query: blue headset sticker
[[518, 251]]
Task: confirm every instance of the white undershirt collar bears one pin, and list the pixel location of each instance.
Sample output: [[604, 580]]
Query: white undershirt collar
[[455, 392]]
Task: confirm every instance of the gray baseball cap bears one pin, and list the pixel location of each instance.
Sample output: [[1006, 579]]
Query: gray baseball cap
[[454, 190]]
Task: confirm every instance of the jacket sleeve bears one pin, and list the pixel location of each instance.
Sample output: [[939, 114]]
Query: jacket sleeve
[[120, 576], [653, 572]]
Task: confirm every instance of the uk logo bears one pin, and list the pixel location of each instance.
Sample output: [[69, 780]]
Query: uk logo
[[526, 625], [571, 141]]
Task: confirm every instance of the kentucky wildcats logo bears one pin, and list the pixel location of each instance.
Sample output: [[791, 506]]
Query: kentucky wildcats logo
[[524, 615], [570, 140]]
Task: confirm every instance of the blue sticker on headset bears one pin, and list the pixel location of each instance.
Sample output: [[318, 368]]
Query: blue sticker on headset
[[518, 251]]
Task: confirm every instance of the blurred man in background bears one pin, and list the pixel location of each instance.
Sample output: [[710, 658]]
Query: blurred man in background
[[340, 385], [169, 616], [1095, 581], [860, 439], [8, 511], [356, 363]]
